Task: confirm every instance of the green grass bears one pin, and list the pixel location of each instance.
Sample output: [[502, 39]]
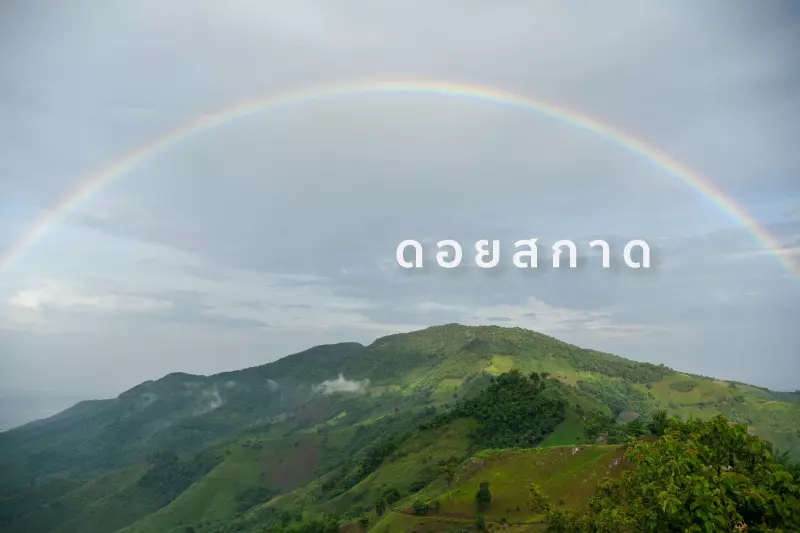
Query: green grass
[[500, 364], [565, 475], [403, 523], [568, 432], [278, 464], [568, 475], [416, 460]]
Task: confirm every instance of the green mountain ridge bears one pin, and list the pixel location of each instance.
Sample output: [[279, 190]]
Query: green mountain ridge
[[326, 429]]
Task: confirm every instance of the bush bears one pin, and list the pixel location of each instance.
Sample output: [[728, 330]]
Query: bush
[[483, 497], [682, 386], [419, 507], [417, 486], [391, 495]]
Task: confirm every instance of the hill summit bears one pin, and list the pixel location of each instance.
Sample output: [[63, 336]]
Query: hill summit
[[315, 428]]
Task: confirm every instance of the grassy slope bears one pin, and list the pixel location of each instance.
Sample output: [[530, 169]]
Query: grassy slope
[[75, 505], [567, 474], [112, 512], [283, 464], [416, 460], [568, 432]]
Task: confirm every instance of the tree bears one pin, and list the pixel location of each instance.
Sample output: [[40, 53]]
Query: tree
[[595, 423], [700, 476], [785, 460], [448, 472], [380, 507], [483, 497], [537, 499], [363, 522], [419, 507], [635, 428], [391, 495], [659, 423]]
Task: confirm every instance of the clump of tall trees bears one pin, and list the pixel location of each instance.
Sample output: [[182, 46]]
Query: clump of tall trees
[[515, 410]]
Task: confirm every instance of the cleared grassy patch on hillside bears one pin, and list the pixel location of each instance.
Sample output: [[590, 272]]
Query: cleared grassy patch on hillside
[[568, 475], [500, 364], [568, 432], [703, 391]]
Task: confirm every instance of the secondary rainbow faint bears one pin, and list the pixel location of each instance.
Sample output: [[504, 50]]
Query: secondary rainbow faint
[[125, 164]]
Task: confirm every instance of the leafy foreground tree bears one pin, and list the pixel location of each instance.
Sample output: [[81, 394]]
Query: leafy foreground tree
[[701, 476]]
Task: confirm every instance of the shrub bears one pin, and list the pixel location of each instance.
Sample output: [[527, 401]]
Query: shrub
[[682, 386], [483, 497], [419, 507]]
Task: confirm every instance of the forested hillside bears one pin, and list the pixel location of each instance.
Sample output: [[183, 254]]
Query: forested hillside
[[345, 433]]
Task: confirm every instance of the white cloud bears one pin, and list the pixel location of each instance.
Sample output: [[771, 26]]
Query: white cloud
[[341, 384], [63, 295]]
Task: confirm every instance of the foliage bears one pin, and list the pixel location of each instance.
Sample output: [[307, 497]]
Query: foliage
[[537, 499], [700, 476], [483, 497], [618, 395], [448, 471], [391, 495], [251, 496], [613, 366], [328, 524], [168, 476], [658, 423], [682, 386], [419, 507], [785, 460], [417, 485], [380, 507], [635, 428], [514, 410]]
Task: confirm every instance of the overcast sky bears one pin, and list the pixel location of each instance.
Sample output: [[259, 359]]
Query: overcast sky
[[276, 232]]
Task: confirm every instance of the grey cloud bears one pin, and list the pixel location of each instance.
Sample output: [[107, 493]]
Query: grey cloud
[[277, 231]]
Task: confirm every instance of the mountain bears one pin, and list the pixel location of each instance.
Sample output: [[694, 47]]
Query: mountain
[[328, 429]]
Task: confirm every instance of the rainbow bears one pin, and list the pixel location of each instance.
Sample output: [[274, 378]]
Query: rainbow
[[130, 160]]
